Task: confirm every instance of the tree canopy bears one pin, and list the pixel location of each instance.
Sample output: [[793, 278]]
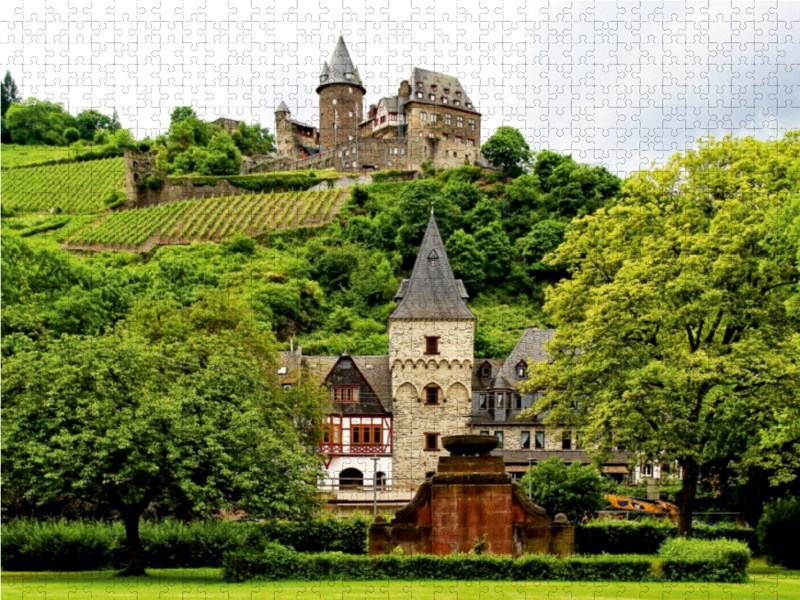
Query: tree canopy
[[672, 331], [507, 149], [574, 490]]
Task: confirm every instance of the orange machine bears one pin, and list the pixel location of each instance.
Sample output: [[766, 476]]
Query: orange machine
[[643, 505]]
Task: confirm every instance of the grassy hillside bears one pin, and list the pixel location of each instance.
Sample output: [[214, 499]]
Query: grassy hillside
[[75, 188], [210, 219], [15, 155]]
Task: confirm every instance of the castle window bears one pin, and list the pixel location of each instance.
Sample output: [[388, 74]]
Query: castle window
[[472, 124], [434, 118], [375, 122], [447, 119], [349, 138], [365, 435], [446, 90], [539, 440], [344, 393], [500, 400], [499, 436], [432, 342], [458, 139], [486, 371], [420, 134], [444, 136], [423, 116], [430, 134], [432, 97], [419, 95], [457, 102], [351, 113], [402, 151], [383, 119], [482, 403], [328, 162], [444, 100], [486, 432], [433, 87], [350, 90], [459, 121], [526, 439], [432, 395], [455, 154], [566, 443], [517, 401], [333, 101], [348, 76], [522, 368], [470, 143], [431, 441], [469, 104], [458, 94]]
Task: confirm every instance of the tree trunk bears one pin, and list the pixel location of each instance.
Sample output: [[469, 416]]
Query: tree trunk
[[686, 496], [133, 543]]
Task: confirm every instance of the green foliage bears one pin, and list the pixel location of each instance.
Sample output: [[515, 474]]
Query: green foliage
[[223, 158], [779, 530], [115, 199], [508, 150], [74, 188], [484, 214], [645, 536], [90, 121], [414, 206], [544, 237], [466, 259], [462, 194], [574, 490], [241, 244], [9, 94], [194, 386], [253, 139], [678, 284], [62, 545], [38, 122], [496, 248], [71, 135], [276, 564], [720, 561]]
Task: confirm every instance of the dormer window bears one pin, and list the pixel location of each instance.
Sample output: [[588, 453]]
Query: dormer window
[[433, 87], [522, 369], [432, 258], [324, 78], [419, 85], [458, 94], [446, 90], [444, 100], [348, 76], [432, 97], [486, 370], [457, 102], [419, 95], [469, 104]]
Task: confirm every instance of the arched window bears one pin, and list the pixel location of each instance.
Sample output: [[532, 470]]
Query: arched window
[[432, 394], [380, 480], [350, 479]]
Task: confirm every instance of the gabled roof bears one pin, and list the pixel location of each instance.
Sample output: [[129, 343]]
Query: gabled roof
[[432, 292], [442, 82], [338, 67], [529, 348]]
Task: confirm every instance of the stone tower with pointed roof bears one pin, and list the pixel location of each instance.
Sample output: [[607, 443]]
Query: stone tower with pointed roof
[[284, 130], [341, 95], [431, 337]]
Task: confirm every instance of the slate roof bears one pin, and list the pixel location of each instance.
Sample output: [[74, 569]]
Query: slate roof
[[529, 348], [393, 104], [378, 373], [432, 292], [337, 68], [479, 383], [442, 82], [282, 107]]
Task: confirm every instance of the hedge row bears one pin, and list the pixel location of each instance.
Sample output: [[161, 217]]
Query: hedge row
[[265, 182], [277, 563], [71, 546], [722, 561], [647, 535]]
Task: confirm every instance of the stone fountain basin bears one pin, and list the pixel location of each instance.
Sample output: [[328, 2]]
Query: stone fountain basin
[[469, 445]]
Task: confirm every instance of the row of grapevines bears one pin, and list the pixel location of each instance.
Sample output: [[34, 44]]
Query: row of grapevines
[[77, 188]]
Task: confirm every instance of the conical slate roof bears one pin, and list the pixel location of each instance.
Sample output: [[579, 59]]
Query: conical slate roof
[[340, 68], [282, 107], [432, 292]]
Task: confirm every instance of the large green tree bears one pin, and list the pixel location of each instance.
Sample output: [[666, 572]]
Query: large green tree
[[673, 329], [176, 405], [574, 490], [507, 149], [9, 94], [38, 122]]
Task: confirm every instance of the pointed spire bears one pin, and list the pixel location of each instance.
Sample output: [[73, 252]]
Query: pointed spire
[[432, 292], [340, 68], [282, 108]]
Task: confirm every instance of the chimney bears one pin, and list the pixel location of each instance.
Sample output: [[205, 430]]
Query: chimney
[[405, 90]]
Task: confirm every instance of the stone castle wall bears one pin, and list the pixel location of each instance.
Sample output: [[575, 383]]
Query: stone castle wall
[[412, 371], [339, 104]]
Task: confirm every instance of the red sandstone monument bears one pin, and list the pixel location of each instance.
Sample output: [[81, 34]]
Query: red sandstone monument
[[470, 501]]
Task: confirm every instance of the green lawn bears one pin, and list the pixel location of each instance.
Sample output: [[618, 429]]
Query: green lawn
[[14, 155], [187, 584]]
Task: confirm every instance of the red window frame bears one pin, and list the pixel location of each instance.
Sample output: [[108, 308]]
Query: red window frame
[[368, 435], [431, 435], [344, 393]]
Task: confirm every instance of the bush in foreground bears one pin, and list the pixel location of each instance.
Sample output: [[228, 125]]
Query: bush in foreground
[[778, 532], [721, 561]]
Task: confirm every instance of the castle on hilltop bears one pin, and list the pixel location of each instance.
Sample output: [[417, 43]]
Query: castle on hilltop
[[430, 119]]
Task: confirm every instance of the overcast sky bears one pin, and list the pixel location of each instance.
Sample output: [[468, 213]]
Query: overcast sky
[[613, 83]]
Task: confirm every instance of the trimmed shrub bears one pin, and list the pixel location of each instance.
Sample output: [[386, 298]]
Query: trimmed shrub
[[61, 546], [778, 532], [645, 536], [720, 561], [281, 564]]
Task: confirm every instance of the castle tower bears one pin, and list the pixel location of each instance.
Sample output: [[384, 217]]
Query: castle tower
[[340, 99], [283, 131], [431, 337]]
